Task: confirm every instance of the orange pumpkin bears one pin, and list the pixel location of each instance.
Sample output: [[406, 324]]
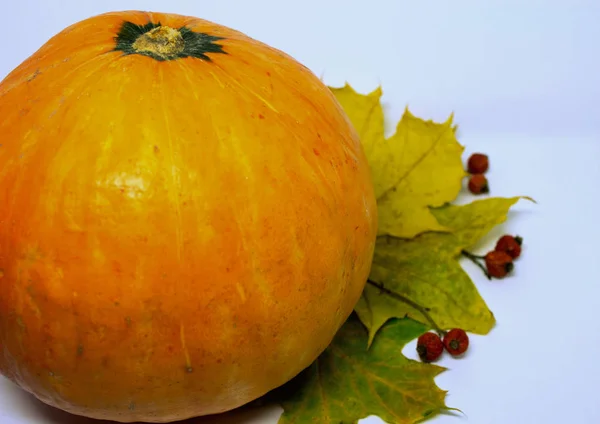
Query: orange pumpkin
[[187, 218]]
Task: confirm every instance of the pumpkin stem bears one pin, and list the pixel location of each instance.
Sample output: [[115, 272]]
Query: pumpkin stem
[[162, 41]]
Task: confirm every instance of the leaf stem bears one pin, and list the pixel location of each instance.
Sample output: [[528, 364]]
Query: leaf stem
[[423, 310], [475, 258]]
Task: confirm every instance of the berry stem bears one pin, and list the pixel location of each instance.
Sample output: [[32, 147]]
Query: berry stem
[[404, 299], [475, 258]]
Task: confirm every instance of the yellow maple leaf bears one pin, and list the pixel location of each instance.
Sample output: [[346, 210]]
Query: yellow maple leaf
[[417, 167], [426, 270]]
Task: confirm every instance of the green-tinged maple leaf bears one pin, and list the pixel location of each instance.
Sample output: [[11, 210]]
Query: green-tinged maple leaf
[[349, 382], [426, 270], [417, 167]]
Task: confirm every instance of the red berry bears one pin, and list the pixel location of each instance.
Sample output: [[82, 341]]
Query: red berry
[[498, 263], [429, 347], [478, 163], [456, 342], [478, 184], [510, 245]]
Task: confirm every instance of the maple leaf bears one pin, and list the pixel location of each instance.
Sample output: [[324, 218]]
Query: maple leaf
[[349, 382], [416, 173], [427, 271], [417, 167]]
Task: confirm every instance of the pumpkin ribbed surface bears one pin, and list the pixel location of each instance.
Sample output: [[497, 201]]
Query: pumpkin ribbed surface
[[187, 218]]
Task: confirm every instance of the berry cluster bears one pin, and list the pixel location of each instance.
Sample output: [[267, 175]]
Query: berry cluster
[[430, 345], [477, 166], [500, 261]]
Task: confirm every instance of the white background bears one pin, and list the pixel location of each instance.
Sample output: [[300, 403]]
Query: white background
[[523, 78]]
